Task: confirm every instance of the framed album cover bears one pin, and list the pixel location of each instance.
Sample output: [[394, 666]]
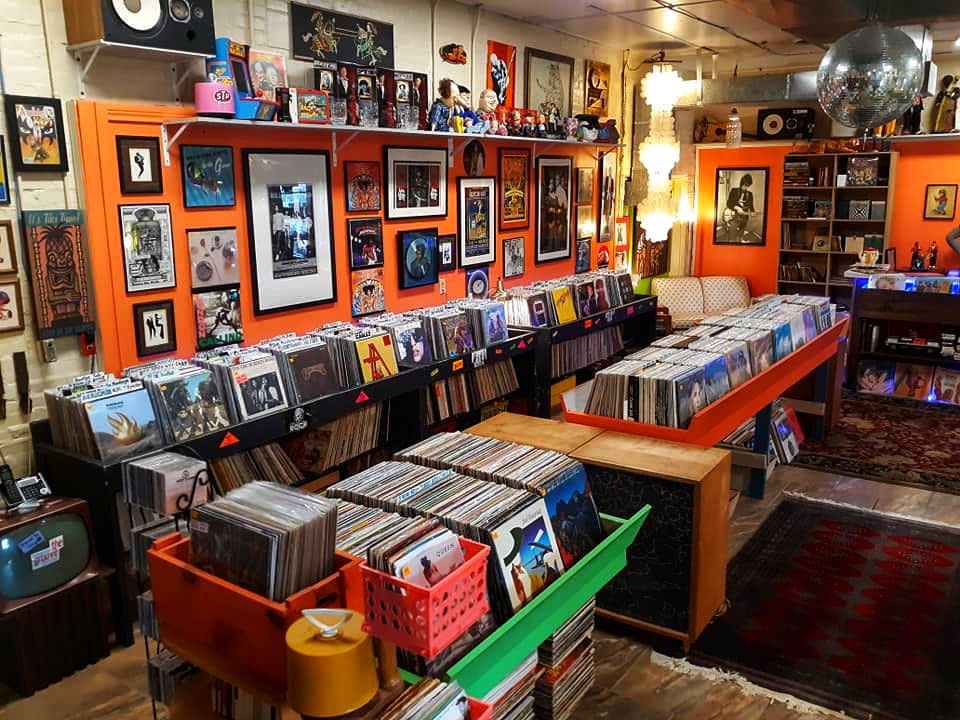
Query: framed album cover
[[554, 175], [477, 220], [208, 179], [586, 223], [364, 185], [419, 258], [448, 252], [8, 247], [214, 257], [513, 167], [147, 247], [290, 226], [549, 81], [217, 317], [4, 182], [596, 94], [513, 252], [11, 305], [366, 292], [416, 182], [155, 328], [37, 133], [268, 71], [740, 216], [139, 161], [585, 185], [366, 242]]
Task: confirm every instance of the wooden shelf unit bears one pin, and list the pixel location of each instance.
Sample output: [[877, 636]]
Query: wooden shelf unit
[[831, 264]]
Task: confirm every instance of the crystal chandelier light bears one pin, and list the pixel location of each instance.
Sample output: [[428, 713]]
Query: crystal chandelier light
[[659, 151]]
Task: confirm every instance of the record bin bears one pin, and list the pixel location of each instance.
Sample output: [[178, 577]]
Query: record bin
[[479, 710], [230, 632]]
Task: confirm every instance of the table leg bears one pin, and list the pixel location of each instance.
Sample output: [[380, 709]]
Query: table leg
[[821, 389]]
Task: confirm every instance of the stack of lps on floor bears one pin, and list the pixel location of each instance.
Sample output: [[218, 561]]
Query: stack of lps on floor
[[512, 699], [566, 660]]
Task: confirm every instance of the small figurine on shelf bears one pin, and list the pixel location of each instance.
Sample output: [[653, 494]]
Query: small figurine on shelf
[[461, 107], [515, 123], [608, 132], [570, 126], [916, 257], [529, 124], [541, 125], [554, 128], [932, 256], [496, 128], [441, 111], [586, 133], [487, 106]]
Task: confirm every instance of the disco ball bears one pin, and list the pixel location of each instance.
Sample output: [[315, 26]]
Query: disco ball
[[869, 77]]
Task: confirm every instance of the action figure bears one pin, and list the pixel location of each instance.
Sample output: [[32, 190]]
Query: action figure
[[911, 118], [442, 109], [932, 256], [916, 257], [541, 125]]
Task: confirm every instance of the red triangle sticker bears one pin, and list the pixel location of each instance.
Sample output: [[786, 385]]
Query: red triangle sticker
[[521, 344], [229, 439], [362, 397]]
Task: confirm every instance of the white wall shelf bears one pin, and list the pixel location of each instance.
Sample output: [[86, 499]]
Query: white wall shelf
[[86, 55]]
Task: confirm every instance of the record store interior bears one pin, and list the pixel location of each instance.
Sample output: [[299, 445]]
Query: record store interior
[[479, 360]]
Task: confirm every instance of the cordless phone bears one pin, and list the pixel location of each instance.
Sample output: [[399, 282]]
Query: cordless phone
[[28, 490]]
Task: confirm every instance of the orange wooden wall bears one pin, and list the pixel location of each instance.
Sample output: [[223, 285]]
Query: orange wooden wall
[[100, 123]]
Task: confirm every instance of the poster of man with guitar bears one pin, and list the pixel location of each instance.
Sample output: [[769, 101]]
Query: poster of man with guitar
[[741, 206]]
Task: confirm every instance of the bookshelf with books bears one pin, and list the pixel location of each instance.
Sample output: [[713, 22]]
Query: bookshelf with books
[[833, 207]]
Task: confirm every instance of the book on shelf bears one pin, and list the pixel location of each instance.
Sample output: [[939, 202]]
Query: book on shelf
[[796, 207]]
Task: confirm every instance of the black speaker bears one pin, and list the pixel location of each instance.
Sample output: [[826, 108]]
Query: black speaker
[[785, 123], [178, 25]]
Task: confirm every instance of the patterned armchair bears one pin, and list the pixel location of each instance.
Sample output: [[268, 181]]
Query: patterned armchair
[[684, 301]]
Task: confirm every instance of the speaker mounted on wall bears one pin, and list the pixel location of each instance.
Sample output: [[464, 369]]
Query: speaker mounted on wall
[[170, 25], [785, 124]]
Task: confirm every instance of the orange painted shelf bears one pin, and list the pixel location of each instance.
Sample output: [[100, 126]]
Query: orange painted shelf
[[712, 424]]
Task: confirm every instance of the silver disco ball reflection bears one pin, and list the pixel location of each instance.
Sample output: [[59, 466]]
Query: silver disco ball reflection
[[869, 76]]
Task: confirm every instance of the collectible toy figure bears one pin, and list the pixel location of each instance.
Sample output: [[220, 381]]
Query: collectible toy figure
[[570, 126], [515, 123], [916, 257], [932, 256], [608, 132], [529, 128], [496, 128], [442, 109], [585, 133], [487, 105], [553, 121], [541, 125]]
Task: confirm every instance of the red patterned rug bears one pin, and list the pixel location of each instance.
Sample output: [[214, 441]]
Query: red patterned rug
[[892, 440], [852, 610]]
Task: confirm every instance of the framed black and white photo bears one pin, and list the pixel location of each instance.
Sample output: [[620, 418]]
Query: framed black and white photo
[[147, 247], [608, 191], [585, 184], [214, 257], [289, 221], [741, 206], [416, 182], [37, 134], [448, 252], [155, 328], [513, 257], [549, 82], [139, 161], [476, 206], [554, 213]]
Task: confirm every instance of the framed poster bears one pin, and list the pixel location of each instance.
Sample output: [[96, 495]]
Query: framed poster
[[11, 305], [321, 34], [608, 192], [621, 246], [448, 252], [416, 182], [8, 248], [585, 185], [513, 251], [58, 271], [147, 247], [208, 179], [549, 81], [214, 257], [4, 182], [217, 314], [155, 327], [419, 258], [38, 136], [477, 220], [366, 242], [139, 161], [502, 71], [740, 216], [554, 176], [366, 292], [941, 203], [364, 185], [514, 171], [596, 94], [290, 226]]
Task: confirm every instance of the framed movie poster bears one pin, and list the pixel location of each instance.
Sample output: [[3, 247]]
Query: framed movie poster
[[58, 271], [38, 136], [155, 328], [4, 182], [321, 34], [214, 257], [147, 247], [549, 81], [8, 248], [217, 314], [608, 190], [419, 258], [596, 95], [502, 71], [11, 305], [941, 202], [585, 184], [554, 176], [139, 160], [364, 185], [290, 226], [513, 257], [366, 292], [514, 171], [478, 283], [478, 218], [448, 252], [208, 179], [741, 206], [366, 242], [416, 182]]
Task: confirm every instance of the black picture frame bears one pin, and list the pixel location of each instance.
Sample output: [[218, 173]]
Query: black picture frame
[[541, 254], [464, 208], [414, 155], [510, 269], [196, 199], [129, 184], [405, 242], [21, 129], [582, 173], [564, 62], [357, 249], [727, 228], [170, 343], [4, 175], [451, 242], [304, 20]]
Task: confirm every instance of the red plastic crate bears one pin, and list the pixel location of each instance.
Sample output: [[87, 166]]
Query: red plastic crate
[[426, 621], [479, 710]]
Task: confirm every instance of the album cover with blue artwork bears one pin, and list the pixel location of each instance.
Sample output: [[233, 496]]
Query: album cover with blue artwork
[[573, 514], [123, 425]]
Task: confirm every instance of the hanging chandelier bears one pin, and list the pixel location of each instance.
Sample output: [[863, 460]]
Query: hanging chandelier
[[660, 150]]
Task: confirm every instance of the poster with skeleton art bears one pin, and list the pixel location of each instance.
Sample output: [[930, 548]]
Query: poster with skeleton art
[[321, 34]]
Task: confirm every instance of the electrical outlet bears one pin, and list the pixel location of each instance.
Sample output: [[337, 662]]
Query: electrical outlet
[[49, 349], [443, 286]]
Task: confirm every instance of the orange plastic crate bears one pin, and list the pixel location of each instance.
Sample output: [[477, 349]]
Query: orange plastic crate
[[230, 632], [426, 621], [479, 710]]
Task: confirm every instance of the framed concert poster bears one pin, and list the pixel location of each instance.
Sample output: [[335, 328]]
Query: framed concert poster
[[514, 198], [11, 305], [364, 185], [148, 262], [741, 206], [290, 226], [608, 190], [477, 220], [416, 182], [553, 208], [37, 133], [155, 327], [208, 179], [139, 161], [549, 81]]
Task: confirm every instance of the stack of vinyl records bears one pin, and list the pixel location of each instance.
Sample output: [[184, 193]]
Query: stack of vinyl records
[[449, 331], [513, 698], [699, 331], [560, 480], [164, 482], [320, 448], [572, 355], [360, 355], [423, 553], [737, 356], [148, 618], [488, 321], [759, 345], [567, 661], [266, 462], [143, 536], [657, 394], [448, 398], [429, 698], [412, 344], [234, 703], [497, 380], [565, 299], [250, 378], [673, 341], [514, 523], [305, 366], [270, 539], [166, 672]]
